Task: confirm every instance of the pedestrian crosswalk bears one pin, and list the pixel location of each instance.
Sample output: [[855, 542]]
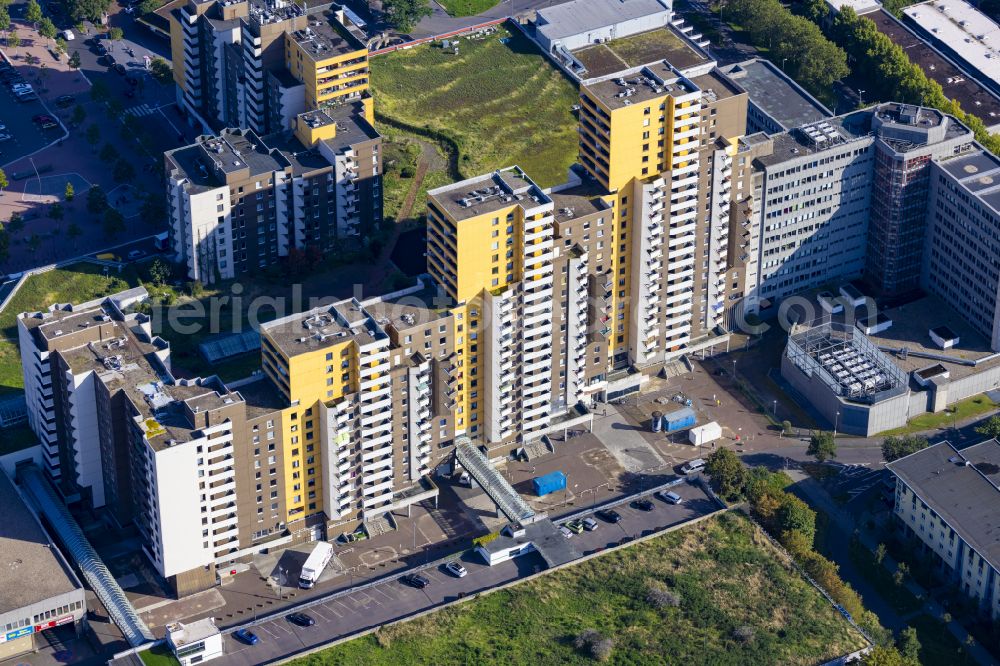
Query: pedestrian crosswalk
[[141, 110]]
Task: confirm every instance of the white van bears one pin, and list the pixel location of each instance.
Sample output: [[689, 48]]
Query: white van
[[67, 35], [693, 466]]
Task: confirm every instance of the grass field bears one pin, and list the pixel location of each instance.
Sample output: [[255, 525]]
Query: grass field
[[724, 572], [501, 103], [74, 284], [978, 405], [466, 7]]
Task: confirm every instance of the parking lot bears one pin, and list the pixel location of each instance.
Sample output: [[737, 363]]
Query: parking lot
[[27, 136], [393, 599]]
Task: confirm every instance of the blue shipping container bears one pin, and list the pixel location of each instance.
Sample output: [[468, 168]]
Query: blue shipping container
[[682, 418], [549, 483]]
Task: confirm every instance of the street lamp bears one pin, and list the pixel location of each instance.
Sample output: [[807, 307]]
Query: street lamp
[[836, 423], [774, 410], [861, 100], [734, 369]]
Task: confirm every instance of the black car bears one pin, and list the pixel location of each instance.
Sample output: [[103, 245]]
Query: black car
[[131, 80], [64, 100], [101, 49], [416, 580], [119, 69], [610, 515], [301, 619], [643, 505]]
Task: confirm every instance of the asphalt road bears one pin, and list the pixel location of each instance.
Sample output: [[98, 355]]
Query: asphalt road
[[26, 136], [392, 600]]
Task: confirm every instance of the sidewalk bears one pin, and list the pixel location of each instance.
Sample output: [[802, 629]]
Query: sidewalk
[[818, 498]]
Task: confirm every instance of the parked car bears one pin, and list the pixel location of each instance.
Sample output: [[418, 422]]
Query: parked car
[[45, 122], [456, 569], [5, 136], [130, 93], [64, 100], [101, 49], [643, 505], [132, 80], [575, 526], [565, 531], [416, 580], [669, 497], [3, 128], [301, 619], [119, 69], [609, 515], [693, 466], [246, 636], [590, 524], [136, 254]]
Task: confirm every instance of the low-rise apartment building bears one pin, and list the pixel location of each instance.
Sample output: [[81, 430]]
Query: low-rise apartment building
[[949, 499]]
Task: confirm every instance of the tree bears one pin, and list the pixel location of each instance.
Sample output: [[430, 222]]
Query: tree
[[89, 9], [160, 70], [159, 271], [794, 514], [822, 446], [403, 15], [97, 200], [4, 244], [727, 472], [69, 193], [123, 171], [149, 6], [991, 428], [33, 12], [47, 29], [880, 552], [3, 180], [4, 20], [113, 222], [56, 211], [108, 153], [99, 91], [60, 45], [79, 115], [115, 35], [153, 209], [13, 39], [16, 223], [896, 447], [883, 655], [74, 230], [93, 135], [74, 60], [909, 645]]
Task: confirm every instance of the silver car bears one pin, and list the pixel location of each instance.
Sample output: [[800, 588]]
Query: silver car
[[456, 569]]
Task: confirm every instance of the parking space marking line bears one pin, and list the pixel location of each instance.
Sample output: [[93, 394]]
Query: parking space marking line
[[333, 610], [383, 593], [315, 610]]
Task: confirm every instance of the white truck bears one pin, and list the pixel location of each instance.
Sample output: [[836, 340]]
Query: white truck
[[315, 563]]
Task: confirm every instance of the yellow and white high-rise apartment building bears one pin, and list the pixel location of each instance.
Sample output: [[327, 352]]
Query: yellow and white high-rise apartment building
[[537, 304]]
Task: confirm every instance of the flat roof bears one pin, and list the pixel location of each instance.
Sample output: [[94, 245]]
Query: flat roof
[[978, 172], [578, 201], [775, 93], [409, 310], [910, 328], [654, 81], [322, 327], [207, 162], [796, 143], [578, 16], [859, 6], [642, 48], [326, 37], [963, 29], [962, 487], [484, 194], [970, 94], [31, 568]]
